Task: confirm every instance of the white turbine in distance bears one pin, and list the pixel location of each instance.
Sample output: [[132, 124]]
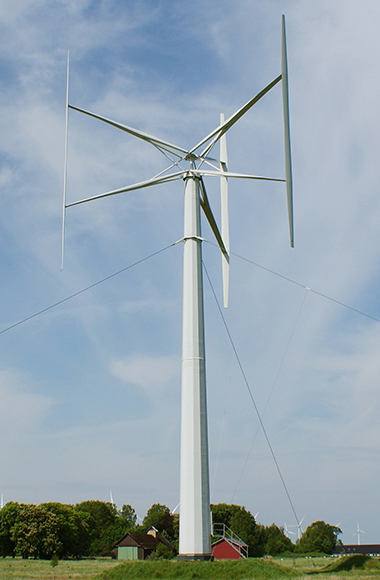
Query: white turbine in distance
[[299, 528], [195, 523], [358, 532], [288, 532]]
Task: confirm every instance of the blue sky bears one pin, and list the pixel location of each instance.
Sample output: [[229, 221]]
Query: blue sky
[[90, 390]]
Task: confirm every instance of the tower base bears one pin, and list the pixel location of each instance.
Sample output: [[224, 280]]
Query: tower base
[[195, 558]]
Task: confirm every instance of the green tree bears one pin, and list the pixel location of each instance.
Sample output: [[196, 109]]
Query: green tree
[[175, 539], [244, 525], [8, 517], [112, 534], [163, 552], [36, 533], [257, 550], [276, 542], [73, 530], [100, 515], [239, 520], [318, 537], [159, 516], [222, 513], [128, 515]]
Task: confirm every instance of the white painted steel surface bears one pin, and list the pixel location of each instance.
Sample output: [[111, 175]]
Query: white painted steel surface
[[288, 156], [195, 528]]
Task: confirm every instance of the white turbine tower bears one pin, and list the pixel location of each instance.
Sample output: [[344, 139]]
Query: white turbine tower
[[195, 528]]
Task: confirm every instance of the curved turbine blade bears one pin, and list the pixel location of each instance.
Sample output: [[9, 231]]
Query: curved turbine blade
[[224, 215], [65, 162], [288, 156], [160, 144], [205, 204]]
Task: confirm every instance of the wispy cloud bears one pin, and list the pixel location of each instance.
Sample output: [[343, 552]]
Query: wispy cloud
[[22, 411], [112, 355], [147, 372]]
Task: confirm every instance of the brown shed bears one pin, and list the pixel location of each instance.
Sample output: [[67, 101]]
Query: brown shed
[[134, 546]]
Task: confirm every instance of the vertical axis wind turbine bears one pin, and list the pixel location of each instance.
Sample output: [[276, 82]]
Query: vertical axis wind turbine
[[195, 524]]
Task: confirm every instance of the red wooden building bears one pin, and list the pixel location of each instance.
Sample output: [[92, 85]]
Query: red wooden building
[[229, 546], [225, 549]]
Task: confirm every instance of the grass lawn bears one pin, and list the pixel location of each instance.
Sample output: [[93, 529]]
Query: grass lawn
[[349, 568], [354, 567], [245, 569], [19, 569]]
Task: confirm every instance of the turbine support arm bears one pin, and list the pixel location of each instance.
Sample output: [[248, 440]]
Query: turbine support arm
[[219, 131], [159, 143], [134, 187], [217, 173]]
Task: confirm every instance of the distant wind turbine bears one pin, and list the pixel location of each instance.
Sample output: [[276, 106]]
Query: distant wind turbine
[[288, 532], [175, 509], [299, 528], [358, 532], [195, 527], [2, 502]]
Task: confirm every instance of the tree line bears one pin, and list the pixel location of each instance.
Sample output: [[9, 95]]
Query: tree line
[[319, 537], [92, 528]]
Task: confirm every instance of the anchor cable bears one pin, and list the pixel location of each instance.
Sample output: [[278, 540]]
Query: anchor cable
[[84, 290], [251, 395]]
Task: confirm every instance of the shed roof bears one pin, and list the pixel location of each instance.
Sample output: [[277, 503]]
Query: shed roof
[[145, 541]]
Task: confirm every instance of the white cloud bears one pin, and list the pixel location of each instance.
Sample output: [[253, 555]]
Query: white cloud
[[21, 410], [144, 371]]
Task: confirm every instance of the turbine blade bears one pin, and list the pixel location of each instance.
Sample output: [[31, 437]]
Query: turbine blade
[[210, 218], [219, 131], [141, 185], [224, 216], [159, 143], [65, 161], [288, 156]]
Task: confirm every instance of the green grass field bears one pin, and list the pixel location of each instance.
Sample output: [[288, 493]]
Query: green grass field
[[351, 568], [19, 569]]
